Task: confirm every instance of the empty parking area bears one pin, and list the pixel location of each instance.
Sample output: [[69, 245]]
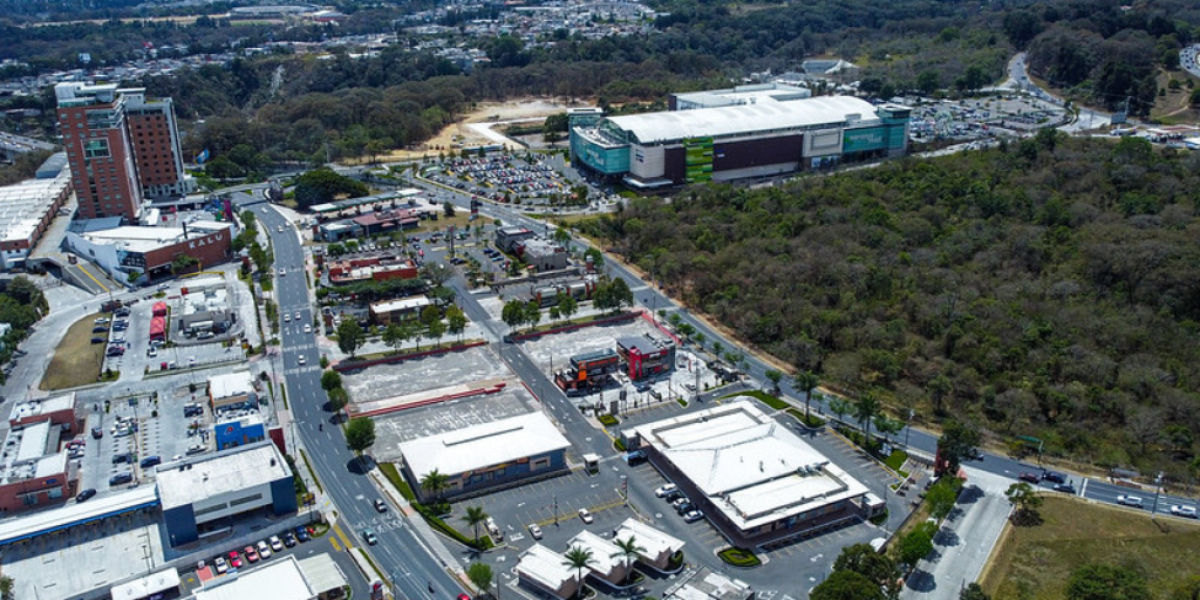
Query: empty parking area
[[418, 375], [395, 428]]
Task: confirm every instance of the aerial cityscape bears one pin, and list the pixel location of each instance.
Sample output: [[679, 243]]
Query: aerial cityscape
[[607, 299]]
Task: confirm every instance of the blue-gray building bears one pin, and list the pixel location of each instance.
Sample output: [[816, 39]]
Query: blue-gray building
[[207, 492], [487, 456]]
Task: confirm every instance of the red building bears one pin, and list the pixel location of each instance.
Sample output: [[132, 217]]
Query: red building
[[373, 268], [93, 124], [587, 371], [645, 356], [156, 149]]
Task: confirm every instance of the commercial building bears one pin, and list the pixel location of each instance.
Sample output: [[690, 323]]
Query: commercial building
[[508, 237], [149, 252], [608, 563], [660, 550], [646, 356], [545, 571], [756, 134], [371, 268], [206, 491], [709, 585], [162, 585], [400, 310], [387, 221], [121, 147], [232, 429], [231, 389], [204, 308], [487, 456], [26, 211], [542, 255], [587, 371], [737, 96], [58, 410], [752, 477], [33, 472], [287, 578], [547, 295]]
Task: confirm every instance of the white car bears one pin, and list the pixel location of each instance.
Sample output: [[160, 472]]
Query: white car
[[297, 316], [302, 360], [264, 550], [534, 531], [1183, 511], [282, 271], [276, 543], [662, 491], [1133, 501], [307, 328], [287, 318], [692, 516], [585, 516], [221, 565]]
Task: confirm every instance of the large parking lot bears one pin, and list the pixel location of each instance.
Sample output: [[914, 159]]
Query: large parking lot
[[418, 375], [504, 177], [976, 118]]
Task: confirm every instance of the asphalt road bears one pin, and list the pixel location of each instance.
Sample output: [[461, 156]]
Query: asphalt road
[[399, 551]]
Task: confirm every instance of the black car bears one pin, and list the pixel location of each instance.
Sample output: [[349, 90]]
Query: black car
[[1054, 477], [120, 478], [1064, 487], [99, 329], [289, 540], [151, 461], [83, 495], [302, 534], [685, 508], [672, 496], [124, 457], [98, 340]]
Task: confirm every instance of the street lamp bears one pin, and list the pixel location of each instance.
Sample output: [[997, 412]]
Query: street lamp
[[908, 426]]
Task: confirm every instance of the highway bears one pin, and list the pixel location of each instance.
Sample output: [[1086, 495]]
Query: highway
[[400, 553]]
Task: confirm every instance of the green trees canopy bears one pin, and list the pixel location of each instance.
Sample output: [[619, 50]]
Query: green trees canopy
[[324, 185]]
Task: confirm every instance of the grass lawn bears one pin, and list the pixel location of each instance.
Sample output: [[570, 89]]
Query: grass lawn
[[76, 360], [765, 398], [1036, 562]]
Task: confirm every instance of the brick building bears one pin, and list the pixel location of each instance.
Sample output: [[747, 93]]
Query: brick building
[[150, 251]]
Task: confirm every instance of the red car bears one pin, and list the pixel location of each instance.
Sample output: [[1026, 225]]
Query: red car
[[251, 554], [235, 559], [1030, 477]]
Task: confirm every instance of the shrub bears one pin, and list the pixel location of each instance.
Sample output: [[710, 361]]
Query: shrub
[[739, 557], [608, 420]]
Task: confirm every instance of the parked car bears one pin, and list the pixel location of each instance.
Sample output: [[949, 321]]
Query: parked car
[[1127, 500], [97, 433], [671, 497], [123, 457], [120, 478], [1183, 511], [99, 329], [98, 340], [662, 491], [83, 495], [275, 543], [685, 508], [586, 516], [150, 461], [380, 505], [251, 554], [302, 534], [369, 537], [289, 539], [534, 531], [264, 550], [692, 516], [220, 565]]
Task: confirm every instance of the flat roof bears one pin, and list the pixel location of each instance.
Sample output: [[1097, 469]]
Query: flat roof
[[279, 580], [189, 480], [72, 514], [606, 556], [643, 344], [655, 541], [238, 383], [753, 469], [545, 566], [41, 406], [23, 205], [411, 302], [673, 126], [145, 586], [321, 573], [482, 446]]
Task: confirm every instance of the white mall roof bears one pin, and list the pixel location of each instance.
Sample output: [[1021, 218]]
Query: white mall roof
[[239, 383], [189, 480], [545, 566], [281, 580], [673, 126], [145, 586], [754, 469], [656, 542], [483, 446]]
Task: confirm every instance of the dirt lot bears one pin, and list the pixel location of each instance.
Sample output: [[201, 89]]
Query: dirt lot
[[1036, 562], [486, 111], [76, 360]]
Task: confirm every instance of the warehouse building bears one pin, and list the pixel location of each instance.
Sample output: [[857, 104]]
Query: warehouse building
[[487, 456], [756, 134], [150, 251], [755, 480], [205, 492], [26, 211], [33, 471]]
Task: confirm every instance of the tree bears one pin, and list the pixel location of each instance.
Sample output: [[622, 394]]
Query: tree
[[597, 257], [578, 558], [481, 577], [621, 294], [435, 331], [774, 376], [448, 209], [958, 441], [939, 387], [392, 336], [941, 498], [865, 409], [360, 434], [408, 331], [840, 408], [350, 336], [338, 399], [877, 567], [1026, 500], [630, 550], [323, 184], [437, 273], [6, 587], [1188, 590], [474, 517], [533, 314], [973, 591], [807, 381], [456, 321], [847, 585], [330, 380], [183, 263], [435, 483], [513, 314], [914, 546], [886, 426], [1106, 582], [567, 306]]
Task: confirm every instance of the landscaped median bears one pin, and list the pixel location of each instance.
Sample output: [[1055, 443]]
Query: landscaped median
[[739, 557], [434, 515], [572, 326]]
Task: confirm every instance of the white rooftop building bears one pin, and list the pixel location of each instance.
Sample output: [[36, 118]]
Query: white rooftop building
[[26, 211], [756, 477], [608, 563], [230, 388], [659, 546], [546, 570], [488, 455], [280, 580]]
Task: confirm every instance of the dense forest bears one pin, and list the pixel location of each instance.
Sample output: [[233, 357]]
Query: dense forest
[[1048, 288]]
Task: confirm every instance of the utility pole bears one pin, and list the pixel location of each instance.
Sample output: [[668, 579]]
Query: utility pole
[[1157, 491]]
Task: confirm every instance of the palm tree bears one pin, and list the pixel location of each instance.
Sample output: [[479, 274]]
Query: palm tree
[[6, 587], [474, 517], [630, 550], [578, 558], [839, 407], [435, 483], [865, 409], [807, 381]]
